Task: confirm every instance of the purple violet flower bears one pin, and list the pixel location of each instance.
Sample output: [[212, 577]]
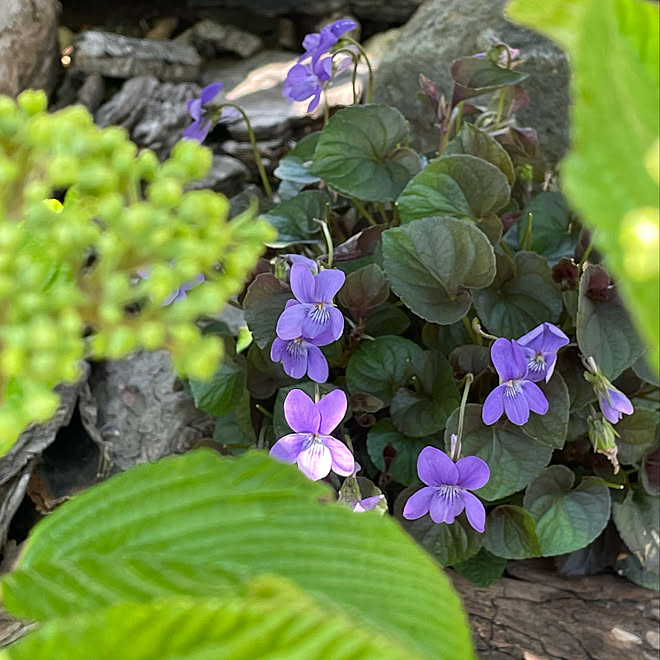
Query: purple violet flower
[[202, 124], [300, 259], [302, 356], [304, 81], [314, 314], [614, 404], [367, 503], [540, 347], [447, 484], [515, 395], [310, 446], [181, 292], [319, 43]]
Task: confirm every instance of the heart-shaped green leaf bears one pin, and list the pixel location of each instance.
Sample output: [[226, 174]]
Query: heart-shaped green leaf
[[551, 428], [403, 467], [566, 518], [294, 166], [522, 296], [294, 219], [604, 328], [473, 141], [424, 410], [511, 533], [432, 262], [380, 367], [360, 153], [483, 569], [461, 186], [477, 75]]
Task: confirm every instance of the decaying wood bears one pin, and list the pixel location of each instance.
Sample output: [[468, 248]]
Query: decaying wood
[[536, 614]]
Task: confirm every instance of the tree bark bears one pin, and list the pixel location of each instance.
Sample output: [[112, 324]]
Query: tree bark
[[536, 614]]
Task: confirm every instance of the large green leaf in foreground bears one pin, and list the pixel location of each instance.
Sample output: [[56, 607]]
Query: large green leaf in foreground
[[268, 617], [611, 175], [206, 521]]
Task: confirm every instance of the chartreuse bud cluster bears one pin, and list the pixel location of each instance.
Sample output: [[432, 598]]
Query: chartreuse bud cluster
[[69, 287]]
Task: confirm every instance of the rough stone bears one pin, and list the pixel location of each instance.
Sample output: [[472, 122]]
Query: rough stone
[[394, 11], [126, 57], [227, 175], [154, 113], [442, 30], [143, 414], [29, 56], [211, 38]]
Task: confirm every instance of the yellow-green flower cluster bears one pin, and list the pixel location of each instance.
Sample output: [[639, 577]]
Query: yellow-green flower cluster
[[81, 212]]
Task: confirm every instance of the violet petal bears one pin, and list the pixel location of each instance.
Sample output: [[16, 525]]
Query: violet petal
[[303, 283], [288, 447], [343, 462], [435, 468], [493, 407], [535, 398], [317, 365], [473, 472], [289, 325], [515, 405], [301, 413], [332, 408], [474, 509], [418, 503], [315, 460], [327, 285]]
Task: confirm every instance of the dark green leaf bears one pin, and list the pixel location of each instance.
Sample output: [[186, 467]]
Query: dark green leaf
[[566, 518], [235, 430], [514, 458], [604, 329], [424, 410], [364, 290], [483, 569], [264, 302], [461, 186], [553, 235], [551, 428], [295, 165], [511, 534], [637, 434], [359, 153], [403, 467], [294, 219], [637, 520], [381, 366], [388, 319], [475, 142], [477, 75], [522, 296], [432, 261], [220, 394], [448, 544]]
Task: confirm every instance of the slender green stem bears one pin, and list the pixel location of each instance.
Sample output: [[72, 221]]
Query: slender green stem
[[479, 330], [356, 61], [526, 238], [397, 215], [500, 108], [587, 252], [476, 338], [459, 118], [263, 411], [253, 141], [456, 454], [326, 108], [317, 393], [360, 207], [363, 52], [328, 240], [506, 249]]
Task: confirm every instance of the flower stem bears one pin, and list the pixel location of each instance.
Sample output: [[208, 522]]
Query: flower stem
[[356, 61], [328, 240], [253, 141], [478, 329], [475, 336], [326, 108], [459, 118], [360, 207], [363, 52], [526, 238], [397, 215], [506, 249], [383, 214], [500, 108], [461, 418]]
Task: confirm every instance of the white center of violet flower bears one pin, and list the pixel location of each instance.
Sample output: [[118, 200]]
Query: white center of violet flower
[[537, 363], [319, 313], [295, 347], [513, 388]]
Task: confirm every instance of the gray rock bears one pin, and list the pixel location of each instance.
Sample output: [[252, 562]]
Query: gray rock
[[29, 56], [210, 38], [143, 413], [393, 11], [125, 57], [277, 7], [227, 175], [154, 113], [442, 30]]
